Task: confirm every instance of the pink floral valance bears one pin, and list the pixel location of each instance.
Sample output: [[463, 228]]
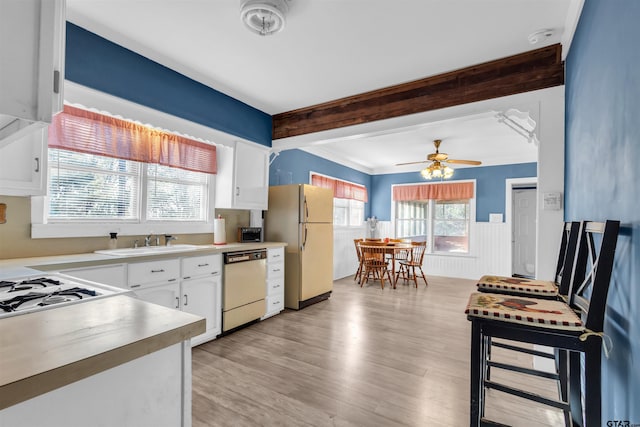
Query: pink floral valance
[[85, 131], [341, 189], [449, 191]]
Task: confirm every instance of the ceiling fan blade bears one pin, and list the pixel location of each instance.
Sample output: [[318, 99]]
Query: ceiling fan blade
[[464, 162], [412, 163]]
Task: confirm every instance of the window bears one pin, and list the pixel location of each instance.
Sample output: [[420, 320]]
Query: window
[[451, 226], [438, 213], [348, 200], [86, 187], [348, 213]]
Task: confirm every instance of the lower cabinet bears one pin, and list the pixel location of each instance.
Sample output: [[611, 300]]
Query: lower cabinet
[[165, 295], [275, 282], [191, 284]]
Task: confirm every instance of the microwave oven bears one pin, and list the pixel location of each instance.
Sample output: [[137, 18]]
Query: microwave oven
[[249, 234]]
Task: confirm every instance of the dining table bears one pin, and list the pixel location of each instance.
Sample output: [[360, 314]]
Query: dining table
[[390, 248]]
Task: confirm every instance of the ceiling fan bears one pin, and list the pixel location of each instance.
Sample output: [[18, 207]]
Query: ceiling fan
[[438, 167]]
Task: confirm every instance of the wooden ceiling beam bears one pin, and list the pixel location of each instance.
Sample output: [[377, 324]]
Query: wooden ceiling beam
[[533, 70]]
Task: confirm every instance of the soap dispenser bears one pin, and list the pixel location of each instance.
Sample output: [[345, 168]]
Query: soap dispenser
[[113, 240]]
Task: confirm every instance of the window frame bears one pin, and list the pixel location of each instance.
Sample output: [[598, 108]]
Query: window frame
[[350, 203], [431, 217], [78, 94]]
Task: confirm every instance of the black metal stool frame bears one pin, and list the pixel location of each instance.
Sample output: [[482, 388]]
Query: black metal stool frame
[[586, 341]]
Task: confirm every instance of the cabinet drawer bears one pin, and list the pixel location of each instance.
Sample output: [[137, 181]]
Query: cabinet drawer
[[166, 270], [275, 271], [275, 287], [275, 255], [201, 265], [275, 304]]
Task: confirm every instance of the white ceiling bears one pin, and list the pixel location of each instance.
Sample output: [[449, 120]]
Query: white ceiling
[[330, 49]]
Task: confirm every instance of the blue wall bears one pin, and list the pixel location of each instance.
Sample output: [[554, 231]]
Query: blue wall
[[293, 167], [602, 175], [490, 187], [105, 66]]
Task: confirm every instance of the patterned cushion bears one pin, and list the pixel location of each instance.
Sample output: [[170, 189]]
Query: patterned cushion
[[529, 311], [517, 285]]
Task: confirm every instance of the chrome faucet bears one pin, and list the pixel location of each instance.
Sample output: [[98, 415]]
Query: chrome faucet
[[147, 240], [168, 238]]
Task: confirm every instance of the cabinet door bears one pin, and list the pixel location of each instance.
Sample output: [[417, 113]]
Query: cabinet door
[[165, 295], [23, 166], [31, 83], [202, 298], [251, 177]]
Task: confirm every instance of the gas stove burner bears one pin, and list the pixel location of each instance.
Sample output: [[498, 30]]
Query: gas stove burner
[[54, 299], [25, 285], [26, 294]]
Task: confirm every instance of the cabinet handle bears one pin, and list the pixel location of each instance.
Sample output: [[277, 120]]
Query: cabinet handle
[[135, 286], [276, 302], [177, 302], [186, 277], [276, 256], [237, 191], [186, 300], [158, 271], [275, 270], [276, 286], [56, 81], [37, 159], [203, 265]]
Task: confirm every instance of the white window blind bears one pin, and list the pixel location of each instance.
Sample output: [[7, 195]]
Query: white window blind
[[89, 187], [175, 194]]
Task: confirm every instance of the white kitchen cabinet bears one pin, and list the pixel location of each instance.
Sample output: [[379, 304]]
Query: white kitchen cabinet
[[32, 41], [242, 181], [274, 282], [156, 281], [23, 166], [167, 295], [201, 293], [112, 274]]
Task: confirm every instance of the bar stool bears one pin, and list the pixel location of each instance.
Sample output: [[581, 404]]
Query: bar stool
[[550, 323]]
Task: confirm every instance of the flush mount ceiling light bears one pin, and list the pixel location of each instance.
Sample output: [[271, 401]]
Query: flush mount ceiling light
[[264, 17], [540, 35]]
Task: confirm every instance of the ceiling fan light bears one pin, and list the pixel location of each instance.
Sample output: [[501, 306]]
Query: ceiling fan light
[[426, 173], [448, 172], [264, 17]]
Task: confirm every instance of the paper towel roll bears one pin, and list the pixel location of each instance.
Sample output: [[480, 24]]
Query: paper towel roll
[[219, 233]]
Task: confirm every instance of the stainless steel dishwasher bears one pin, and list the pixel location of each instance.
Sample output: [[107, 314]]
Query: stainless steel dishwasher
[[244, 290]]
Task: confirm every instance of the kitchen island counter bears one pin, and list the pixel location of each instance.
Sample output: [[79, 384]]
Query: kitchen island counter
[[49, 349]]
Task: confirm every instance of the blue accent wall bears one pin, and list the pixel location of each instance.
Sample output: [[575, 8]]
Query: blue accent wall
[[602, 175], [97, 63], [490, 187], [293, 167]]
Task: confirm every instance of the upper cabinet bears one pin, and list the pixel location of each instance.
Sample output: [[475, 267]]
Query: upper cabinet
[[23, 165], [242, 181], [32, 37]]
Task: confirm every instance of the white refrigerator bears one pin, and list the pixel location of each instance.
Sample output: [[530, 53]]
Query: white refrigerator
[[301, 215]]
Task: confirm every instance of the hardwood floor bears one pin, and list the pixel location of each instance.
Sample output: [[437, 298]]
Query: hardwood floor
[[365, 357]]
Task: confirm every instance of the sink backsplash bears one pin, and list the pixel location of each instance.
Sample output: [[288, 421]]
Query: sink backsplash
[[16, 242]]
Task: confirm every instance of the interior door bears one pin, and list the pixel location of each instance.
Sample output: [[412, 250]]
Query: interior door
[[524, 232], [316, 258]]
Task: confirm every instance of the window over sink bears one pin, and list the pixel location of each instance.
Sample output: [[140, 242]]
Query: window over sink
[[106, 174]]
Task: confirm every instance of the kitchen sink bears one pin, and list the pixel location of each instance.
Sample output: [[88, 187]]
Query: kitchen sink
[[147, 250]]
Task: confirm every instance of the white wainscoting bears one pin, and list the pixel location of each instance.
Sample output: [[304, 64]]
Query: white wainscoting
[[490, 253], [345, 261]]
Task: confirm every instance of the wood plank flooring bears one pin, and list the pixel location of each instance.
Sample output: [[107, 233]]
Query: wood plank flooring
[[365, 357]]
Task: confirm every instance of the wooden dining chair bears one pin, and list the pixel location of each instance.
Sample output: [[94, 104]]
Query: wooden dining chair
[[356, 243], [408, 267], [576, 326], [374, 263]]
